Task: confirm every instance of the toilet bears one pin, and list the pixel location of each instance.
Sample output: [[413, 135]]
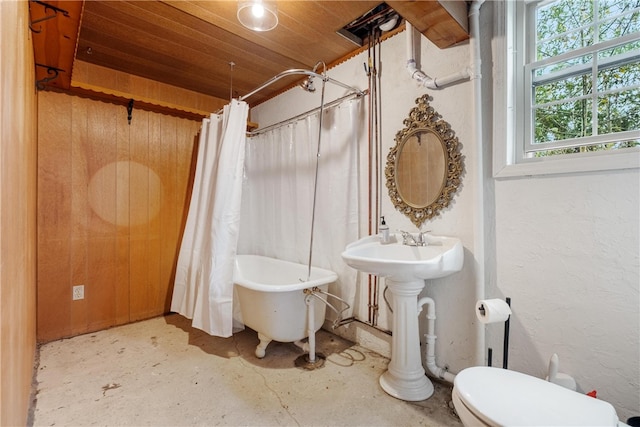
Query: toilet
[[486, 396]]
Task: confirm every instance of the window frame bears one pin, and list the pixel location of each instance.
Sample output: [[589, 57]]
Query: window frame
[[511, 114]]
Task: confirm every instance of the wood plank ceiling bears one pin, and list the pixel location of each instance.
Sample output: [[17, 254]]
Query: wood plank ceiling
[[190, 44]]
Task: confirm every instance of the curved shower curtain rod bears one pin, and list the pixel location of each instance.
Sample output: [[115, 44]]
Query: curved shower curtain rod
[[300, 71], [308, 113], [324, 78]]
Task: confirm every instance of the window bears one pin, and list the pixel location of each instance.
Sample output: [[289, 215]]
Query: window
[[573, 67]]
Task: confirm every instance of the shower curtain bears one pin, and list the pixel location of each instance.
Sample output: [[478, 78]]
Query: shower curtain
[[278, 191], [203, 289]]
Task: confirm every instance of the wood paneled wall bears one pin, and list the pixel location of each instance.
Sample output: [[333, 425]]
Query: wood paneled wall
[[112, 201], [17, 213]]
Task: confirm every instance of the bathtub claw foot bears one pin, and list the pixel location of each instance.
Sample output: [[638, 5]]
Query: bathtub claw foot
[[261, 349]]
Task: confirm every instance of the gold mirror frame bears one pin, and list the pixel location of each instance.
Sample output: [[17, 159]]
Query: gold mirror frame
[[424, 118]]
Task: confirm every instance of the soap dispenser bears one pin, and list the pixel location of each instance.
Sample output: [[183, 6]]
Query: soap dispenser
[[384, 232]]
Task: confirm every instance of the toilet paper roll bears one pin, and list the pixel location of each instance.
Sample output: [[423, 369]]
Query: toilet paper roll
[[492, 310]]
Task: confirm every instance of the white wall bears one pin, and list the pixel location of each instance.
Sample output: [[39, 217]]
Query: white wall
[[567, 255], [564, 248]]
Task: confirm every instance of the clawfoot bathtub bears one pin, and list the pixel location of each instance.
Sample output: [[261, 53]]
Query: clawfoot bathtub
[[272, 298]]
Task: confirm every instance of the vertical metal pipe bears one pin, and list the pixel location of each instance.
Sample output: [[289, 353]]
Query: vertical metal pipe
[[505, 349], [311, 331], [315, 181], [376, 138], [479, 199], [370, 278], [231, 65]]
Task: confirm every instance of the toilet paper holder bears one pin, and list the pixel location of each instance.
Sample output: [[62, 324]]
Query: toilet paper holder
[[481, 309], [505, 342]]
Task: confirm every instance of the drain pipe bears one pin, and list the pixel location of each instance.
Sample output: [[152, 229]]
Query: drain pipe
[[421, 77], [311, 332], [479, 217], [473, 72], [430, 338], [310, 346]]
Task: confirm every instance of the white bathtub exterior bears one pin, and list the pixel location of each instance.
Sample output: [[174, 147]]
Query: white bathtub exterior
[[272, 299]]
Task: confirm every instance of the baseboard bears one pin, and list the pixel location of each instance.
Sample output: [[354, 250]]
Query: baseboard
[[364, 335]]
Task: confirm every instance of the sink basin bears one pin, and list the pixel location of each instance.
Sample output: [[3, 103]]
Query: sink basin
[[441, 257], [405, 268]]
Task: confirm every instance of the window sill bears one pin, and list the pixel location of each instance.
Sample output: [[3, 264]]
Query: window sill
[[588, 162]]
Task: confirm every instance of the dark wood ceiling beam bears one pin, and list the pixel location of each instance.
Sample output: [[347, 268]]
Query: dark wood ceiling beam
[[432, 20]]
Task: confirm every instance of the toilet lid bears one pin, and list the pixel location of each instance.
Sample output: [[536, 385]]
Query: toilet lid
[[509, 398]]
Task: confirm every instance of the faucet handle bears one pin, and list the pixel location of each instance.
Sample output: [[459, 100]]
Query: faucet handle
[[407, 238], [421, 237]]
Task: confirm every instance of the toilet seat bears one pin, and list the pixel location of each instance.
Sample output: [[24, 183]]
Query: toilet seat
[[500, 397]]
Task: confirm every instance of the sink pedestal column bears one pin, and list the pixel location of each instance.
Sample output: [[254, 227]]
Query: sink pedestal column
[[405, 377]]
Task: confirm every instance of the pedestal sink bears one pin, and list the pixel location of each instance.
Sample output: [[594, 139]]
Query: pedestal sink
[[406, 268]]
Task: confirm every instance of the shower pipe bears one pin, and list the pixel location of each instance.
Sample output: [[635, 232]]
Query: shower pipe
[[310, 345], [314, 291], [325, 79], [340, 313], [315, 180], [311, 332]]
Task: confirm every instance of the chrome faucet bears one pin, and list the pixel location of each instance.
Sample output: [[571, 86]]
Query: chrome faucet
[[409, 239], [422, 238], [406, 237]]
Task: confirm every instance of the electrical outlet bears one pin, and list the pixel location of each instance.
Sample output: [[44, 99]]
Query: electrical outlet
[[78, 292]]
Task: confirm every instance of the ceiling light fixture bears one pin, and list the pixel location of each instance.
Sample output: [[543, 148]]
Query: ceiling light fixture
[[390, 24], [258, 15]]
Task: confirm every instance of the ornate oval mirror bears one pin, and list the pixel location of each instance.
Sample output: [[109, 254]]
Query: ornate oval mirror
[[424, 167]]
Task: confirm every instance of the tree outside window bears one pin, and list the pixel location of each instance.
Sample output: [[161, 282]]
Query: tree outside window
[[584, 73]]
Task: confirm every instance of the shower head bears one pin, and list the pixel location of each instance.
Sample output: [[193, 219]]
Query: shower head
[[308, 85]]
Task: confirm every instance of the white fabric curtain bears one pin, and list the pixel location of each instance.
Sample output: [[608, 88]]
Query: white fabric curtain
[[278, 193], [203, 289]]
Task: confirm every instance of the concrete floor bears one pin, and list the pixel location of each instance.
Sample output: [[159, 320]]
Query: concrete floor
[[164, 372]]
